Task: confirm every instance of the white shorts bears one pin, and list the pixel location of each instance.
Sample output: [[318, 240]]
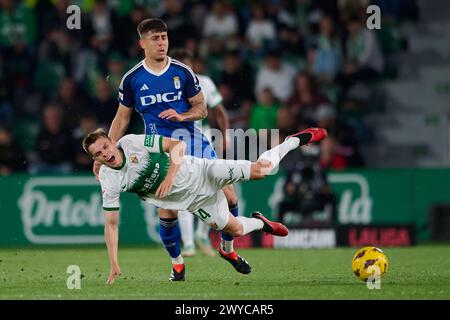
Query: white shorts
[[198, 185], [214, 213]]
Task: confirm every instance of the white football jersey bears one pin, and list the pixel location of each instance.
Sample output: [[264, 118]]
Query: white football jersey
[[143, 169], [212, 96], [145, 166]]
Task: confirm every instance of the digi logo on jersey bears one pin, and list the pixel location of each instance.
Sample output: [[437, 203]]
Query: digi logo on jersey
[[158, 98]]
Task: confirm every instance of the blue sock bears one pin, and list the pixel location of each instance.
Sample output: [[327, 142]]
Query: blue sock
[[234, 211], [170, 235]]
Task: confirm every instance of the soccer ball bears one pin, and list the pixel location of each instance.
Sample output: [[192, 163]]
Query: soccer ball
[[369, 261]]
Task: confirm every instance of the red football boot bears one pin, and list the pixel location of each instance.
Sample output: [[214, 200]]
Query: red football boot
[[240, 264], [275, 228], [310, 135]]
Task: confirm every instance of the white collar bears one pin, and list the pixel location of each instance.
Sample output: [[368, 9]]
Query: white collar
[[169, 60]]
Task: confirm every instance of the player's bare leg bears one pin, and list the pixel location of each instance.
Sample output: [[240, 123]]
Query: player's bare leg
[[170, 235]]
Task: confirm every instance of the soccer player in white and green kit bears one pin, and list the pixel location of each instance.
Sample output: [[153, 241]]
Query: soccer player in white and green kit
[[140, 164]]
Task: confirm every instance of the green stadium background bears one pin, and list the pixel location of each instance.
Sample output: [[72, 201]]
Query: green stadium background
[[67, 209]]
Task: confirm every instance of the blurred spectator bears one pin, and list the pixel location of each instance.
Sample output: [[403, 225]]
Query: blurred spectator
[[20, 63], [179, 25], [104, 104], [51, 16], [352, 8], [6, 108], [220, 28], [116, 66], [328, 55], [264, 113], [306, 98], [126, 36], [341, 149], [276, 75], [364, 60], [54, 144], [12, 159], [238, 111], [72, 100], [51, 68], [88, 123], [17, 21], [260, 32], [290, 41], [237, 74], [307, 191], [101, 24], [398, 10]]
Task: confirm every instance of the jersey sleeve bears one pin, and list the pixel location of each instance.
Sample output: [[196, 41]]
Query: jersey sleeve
[[126, 95], [151, 142], [110, 190], [212, 95], [191, 85]]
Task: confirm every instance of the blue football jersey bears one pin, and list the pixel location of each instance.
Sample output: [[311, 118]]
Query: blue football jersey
[[151, 93]]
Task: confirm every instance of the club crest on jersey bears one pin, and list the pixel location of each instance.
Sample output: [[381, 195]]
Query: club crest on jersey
[[134, 159], [176, 82]]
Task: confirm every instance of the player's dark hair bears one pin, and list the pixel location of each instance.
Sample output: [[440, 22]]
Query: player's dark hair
[[92, 137], [181, 54], [151, 24]]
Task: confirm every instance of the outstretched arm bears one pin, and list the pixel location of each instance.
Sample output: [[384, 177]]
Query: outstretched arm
[[120, 122], [176, 149], [112, 242]]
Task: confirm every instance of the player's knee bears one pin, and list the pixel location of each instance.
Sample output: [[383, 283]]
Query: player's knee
[[234, 229]]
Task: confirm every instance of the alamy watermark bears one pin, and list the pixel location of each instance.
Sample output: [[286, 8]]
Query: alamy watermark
[[374, 20], [374, 281], [240, 144], [74, 19], [74, 279]]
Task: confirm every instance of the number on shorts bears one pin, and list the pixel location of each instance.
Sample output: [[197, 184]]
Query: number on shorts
[[202, 214]]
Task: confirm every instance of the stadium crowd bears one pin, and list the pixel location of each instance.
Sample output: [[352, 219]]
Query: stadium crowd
[[278, 64]]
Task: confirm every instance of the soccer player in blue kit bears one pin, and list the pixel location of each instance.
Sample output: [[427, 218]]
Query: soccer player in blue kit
[[167, 94]]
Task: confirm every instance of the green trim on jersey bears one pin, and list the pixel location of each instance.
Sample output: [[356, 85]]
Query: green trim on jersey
[[111, 209], [161, 144], [124, 160], [152, 175], [149, 140]]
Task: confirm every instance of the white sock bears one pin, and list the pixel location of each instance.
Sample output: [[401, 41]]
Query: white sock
[[250, 224], [227, 246], [186, 223], [275, 155], [177, 260], [202, 231]]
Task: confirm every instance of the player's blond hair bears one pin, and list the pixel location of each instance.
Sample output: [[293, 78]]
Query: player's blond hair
[[92, 137]]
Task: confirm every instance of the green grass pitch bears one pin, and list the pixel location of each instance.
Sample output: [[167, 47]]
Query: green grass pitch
[[421, 272]]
